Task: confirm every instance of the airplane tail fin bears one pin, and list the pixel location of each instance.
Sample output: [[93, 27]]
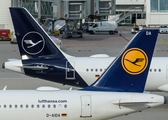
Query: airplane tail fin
[[33, 41], [128, 72]]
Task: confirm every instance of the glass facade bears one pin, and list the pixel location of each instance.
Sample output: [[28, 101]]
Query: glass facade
[[32, 7], [163, 5], [159, 5]]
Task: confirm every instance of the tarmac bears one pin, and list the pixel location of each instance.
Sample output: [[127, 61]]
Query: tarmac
[[88, 45]]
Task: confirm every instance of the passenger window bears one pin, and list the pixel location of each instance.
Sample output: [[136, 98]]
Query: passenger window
[[60, 106], [10, 106], [159, 70], [87, 70], [27, 106], [38, 106], [4, 106], [43, 106], [154, 70], [32, 106], [92, 70], [21, 106], [54, 106], [96, 70], [150, 70], [48, 106], [65, 106], [100, 70], [15, 106]]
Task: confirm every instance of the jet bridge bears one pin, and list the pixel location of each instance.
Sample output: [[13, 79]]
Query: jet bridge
[[128, 14], [53, 26]]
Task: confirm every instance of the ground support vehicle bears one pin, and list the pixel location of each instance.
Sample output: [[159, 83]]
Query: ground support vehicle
[[163, 29], [5, 34], [104, 26]]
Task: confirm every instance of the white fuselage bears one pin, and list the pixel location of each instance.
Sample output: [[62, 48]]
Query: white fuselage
[[89, 68], [157, 77], [72, 105]]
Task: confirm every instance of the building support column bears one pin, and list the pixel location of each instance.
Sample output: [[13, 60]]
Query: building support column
[[39, 10], [113, 7]]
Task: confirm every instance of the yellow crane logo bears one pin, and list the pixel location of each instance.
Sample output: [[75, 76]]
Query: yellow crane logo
[[134, 61]]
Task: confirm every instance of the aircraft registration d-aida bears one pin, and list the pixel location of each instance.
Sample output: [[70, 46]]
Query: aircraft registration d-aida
[[118, 91], [41, 58]]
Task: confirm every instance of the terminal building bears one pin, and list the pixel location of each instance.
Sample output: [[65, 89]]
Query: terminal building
[[149, 12], [156, 12]]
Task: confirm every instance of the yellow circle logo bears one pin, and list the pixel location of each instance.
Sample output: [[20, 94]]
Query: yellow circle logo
[[134, 61]]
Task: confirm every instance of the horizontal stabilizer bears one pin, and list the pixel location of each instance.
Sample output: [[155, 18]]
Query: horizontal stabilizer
[[131, 103], [35, 67], [47, 88], [163, 88], [12, 59], [5, 87]]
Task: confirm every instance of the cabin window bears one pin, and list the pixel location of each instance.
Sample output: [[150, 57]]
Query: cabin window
[[10, 106], [32, 106], [48, 106], [96, 70], [65, 106], [4, 106], [154, 70], [60, 106], [21, 106], [27, 106], [15, 106], [54, 106], [38, 106], [87, 70], [100, 70], [159, 70], [92, 70], [150, 70]]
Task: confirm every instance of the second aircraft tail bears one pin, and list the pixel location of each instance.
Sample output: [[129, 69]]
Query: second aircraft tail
[[33, 41], [128, 72]]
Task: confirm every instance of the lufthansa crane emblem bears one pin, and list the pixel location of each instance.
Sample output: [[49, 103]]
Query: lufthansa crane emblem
[[134, 61], [33, 43]]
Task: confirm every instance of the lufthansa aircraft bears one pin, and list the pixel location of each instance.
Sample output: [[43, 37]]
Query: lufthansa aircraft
[[41, 58], [119, 91]]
